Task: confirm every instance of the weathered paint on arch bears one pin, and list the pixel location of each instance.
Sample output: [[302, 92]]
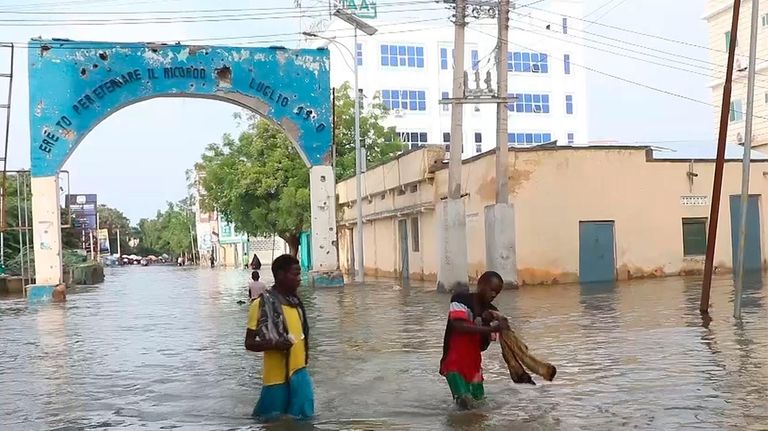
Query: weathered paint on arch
[[76, 85]]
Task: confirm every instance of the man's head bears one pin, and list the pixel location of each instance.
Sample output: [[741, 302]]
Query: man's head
[[255, 276], [287, 273], [489, 285]]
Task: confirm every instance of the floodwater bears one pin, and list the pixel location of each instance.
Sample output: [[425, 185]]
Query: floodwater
[[162, 348]]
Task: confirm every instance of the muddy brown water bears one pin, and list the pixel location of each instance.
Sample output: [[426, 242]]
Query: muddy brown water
[[162, 348]]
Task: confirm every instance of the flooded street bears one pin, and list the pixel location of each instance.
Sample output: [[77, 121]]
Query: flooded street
[[162, 347]]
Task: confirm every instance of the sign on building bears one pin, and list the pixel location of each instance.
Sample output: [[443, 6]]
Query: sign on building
[[360, 8]]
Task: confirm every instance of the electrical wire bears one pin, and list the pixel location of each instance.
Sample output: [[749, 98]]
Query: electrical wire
[[621, 2], [714, 67], [206, 11], [345, 34], [639, 33], [9, 22], [627, 80]]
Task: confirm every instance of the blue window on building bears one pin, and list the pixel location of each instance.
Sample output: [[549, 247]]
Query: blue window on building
[[530, 103], [402, 56], [359, 54], [411, 100], [567, 63], [528, 62], [444, 58], [571, 138], [565, 25], [569, 104], [445, 107], [736, 113], [527, 138], [475, 59]]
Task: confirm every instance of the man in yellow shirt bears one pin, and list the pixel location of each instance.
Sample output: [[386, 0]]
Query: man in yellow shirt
[[277, 326]]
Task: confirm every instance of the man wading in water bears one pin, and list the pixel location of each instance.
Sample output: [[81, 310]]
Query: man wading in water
[[277, 326], [472, 321]]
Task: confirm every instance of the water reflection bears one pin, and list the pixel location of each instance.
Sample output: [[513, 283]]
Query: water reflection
[[162, 347]]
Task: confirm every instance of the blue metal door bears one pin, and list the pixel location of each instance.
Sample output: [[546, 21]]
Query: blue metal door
[[597, 257], [402, 227], [752, 255]]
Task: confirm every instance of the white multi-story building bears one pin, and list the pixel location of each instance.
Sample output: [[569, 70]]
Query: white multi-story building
[[408, 66], [718, 16]]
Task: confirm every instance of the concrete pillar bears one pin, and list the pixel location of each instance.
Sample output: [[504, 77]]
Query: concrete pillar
[[452, 237], [500, 254], [325, 261], [46, 231]]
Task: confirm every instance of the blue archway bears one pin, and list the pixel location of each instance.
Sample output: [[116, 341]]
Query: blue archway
[[75, 85]]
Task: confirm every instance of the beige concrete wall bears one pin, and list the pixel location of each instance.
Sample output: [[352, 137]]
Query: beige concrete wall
[[553, 190]]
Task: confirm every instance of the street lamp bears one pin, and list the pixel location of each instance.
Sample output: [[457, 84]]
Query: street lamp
[[368, 29]]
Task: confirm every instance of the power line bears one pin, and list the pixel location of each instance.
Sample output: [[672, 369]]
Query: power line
[[595, 10], [169, 20], [639, 33], [621, 2], [212, 11], [714, 66], [626, 80], [620, 41], [346, 34]]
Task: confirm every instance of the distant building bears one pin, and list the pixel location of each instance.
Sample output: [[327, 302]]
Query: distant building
[[583, 213], [408, 66], [718, 16], [229, 247]]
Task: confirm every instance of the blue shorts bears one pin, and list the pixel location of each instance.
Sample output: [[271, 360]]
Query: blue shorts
[[294, 398]]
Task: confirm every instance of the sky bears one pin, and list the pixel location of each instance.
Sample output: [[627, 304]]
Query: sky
[[136, 159]]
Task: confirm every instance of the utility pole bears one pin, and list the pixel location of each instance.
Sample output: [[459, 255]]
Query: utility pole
[[717, 184], [500, 254], [452, 234], [745, 164], [502, 115], [358, 177], [457, 110], [119, 255]]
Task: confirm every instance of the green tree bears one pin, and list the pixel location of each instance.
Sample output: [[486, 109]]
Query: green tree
[[259, 182], [379, 142], [171, 231]]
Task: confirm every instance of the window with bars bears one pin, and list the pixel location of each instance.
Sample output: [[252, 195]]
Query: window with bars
[[445, 106], [413, 139], [411, 100], [529, 103], [444, 58], [415, 243], [528, 62], [408, 56], [565, 25], [528, 138], [736, 112], [694, 236], [571, 138]]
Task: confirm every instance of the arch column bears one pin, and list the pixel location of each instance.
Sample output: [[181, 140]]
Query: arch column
[[46, 231], [325, 261]]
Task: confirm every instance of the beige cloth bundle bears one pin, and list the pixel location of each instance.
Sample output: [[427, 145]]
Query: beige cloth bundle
[[516, 355]]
